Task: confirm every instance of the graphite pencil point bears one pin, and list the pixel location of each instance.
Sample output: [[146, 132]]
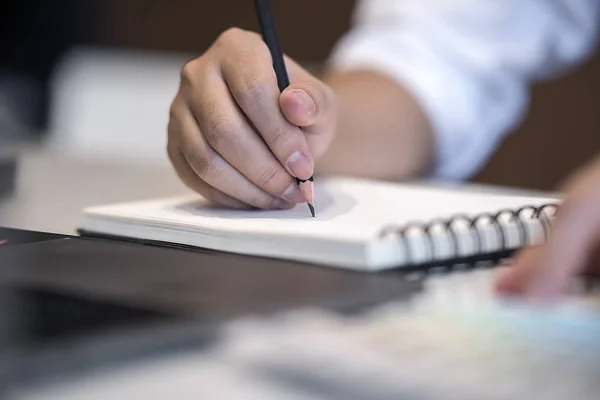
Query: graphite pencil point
[[306, 187], [312, 209]]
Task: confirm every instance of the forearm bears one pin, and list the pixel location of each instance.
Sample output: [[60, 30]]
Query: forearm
[[382, 133], [464, 66]]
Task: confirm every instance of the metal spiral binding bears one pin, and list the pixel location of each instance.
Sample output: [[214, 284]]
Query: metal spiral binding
[[544, 214]]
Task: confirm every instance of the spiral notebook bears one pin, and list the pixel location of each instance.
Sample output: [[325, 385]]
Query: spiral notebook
[[360, 224]]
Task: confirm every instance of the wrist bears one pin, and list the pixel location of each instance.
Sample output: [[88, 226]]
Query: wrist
[[382, 132]]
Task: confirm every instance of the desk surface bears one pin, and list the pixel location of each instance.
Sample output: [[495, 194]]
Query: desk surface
[[53, 189]]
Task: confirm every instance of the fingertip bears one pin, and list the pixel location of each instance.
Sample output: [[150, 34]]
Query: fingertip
[[298, 107], [527, 279], [300, 165], [516, 277], [542, 280], [506, 283]]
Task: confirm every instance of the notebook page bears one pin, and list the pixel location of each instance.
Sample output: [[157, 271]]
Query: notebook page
[[347, 210]]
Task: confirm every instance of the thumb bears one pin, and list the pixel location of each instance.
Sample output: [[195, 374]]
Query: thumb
[[310, 106], [308, 102], [514, 280], [302, 105]]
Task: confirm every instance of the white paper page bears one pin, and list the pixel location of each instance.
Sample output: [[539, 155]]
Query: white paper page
[[347, 210]]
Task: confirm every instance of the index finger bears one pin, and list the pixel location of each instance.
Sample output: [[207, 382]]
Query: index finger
[[253, 84], [568, 251]]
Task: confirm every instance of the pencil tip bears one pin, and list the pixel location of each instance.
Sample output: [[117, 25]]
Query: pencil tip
[[312, 209], [306, 187]]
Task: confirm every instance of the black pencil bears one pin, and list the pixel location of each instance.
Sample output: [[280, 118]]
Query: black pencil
[[270, 37]]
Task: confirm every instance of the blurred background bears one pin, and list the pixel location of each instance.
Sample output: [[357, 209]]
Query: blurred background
[[94, 80]]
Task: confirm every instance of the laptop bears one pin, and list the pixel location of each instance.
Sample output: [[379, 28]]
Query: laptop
[[72, 305]]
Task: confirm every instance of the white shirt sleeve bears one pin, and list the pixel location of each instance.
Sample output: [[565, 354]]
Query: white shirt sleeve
[[469, 63]]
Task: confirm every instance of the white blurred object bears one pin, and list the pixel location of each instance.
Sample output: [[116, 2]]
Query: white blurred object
[[111, 104]]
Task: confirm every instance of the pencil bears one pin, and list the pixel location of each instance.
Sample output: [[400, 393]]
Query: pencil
[[270, 37]]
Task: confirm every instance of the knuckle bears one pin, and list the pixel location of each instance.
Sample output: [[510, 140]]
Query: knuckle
[[260, 48], [267, 176], [279, 138], [222, 132], [188, 72], [241, 47], [203, 163], [255, 89], [231, 36], [210, 170]]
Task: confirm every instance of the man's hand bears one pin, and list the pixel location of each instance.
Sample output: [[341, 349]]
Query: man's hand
[[543, 273], [234, 138]]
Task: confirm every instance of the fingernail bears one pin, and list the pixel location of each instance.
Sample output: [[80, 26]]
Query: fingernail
[[304, 99], [293, 194], [282, 204], [300, 166]]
